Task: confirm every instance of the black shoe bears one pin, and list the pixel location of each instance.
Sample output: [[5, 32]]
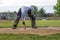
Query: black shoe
[[14, 27], [34, 27]]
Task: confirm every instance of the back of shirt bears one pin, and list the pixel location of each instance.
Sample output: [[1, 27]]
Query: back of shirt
[[25, 9], [32, 9]]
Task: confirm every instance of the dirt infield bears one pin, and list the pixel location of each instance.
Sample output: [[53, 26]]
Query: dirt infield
[[40, 31], [4, 20]]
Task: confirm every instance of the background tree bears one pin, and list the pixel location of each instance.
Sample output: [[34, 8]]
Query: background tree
[[35, 9], [41, 12], [57, 8]]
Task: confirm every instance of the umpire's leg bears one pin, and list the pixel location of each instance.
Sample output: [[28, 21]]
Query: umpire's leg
[[17, 19], [32, 17], [33, 22]]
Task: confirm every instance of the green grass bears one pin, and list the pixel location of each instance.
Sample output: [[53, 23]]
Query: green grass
[[28, 23], [28, 37]]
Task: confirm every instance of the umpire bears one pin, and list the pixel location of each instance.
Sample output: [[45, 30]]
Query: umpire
[[23, 11]]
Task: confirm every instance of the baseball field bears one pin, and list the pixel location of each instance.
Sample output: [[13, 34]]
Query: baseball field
[[47, 30]]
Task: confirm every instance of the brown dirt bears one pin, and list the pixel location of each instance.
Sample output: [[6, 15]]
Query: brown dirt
[[4, 20], [40, 31]]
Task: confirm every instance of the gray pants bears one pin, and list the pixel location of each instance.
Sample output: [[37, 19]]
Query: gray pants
[[17, 18], [33, 22]]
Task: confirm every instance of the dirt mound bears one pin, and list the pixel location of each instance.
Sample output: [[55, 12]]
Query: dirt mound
[[40, 31]]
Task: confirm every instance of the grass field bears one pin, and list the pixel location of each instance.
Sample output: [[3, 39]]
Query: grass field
[[9, 23], [28, 23], [28, 37]]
